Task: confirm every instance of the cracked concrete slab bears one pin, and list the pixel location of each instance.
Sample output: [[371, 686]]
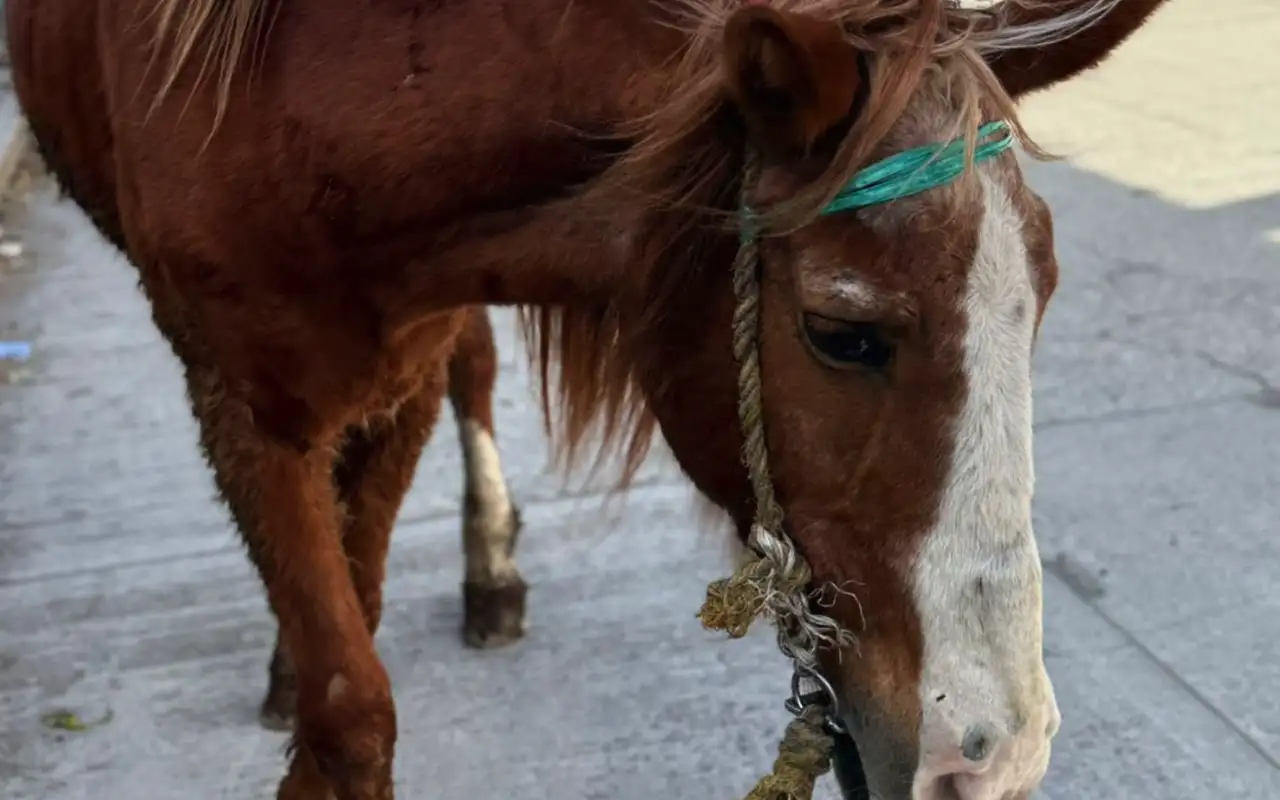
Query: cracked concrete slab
[[1131, 729], [1175, 543]]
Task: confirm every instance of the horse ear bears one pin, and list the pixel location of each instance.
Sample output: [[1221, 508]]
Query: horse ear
[[1030, 69], [791, 76]]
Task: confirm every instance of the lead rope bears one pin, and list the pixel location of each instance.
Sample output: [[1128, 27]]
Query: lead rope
[[772, 582]]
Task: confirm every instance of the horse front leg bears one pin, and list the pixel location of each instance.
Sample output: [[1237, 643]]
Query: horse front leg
[[282, 497], [373, 473]]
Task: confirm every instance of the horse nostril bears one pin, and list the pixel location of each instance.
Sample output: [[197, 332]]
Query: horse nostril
[[978, 742], [1055, 724], [947, 790]]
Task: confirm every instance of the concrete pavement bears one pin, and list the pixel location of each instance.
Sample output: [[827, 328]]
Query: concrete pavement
[[124, 594]]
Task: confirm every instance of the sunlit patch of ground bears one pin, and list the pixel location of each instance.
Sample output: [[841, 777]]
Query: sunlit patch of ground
[[1188, 109]]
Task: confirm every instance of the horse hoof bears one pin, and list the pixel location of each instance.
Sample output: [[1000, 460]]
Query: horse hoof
[[279, 710], [493, 614]]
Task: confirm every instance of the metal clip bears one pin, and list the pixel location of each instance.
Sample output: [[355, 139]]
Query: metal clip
[[824, 695]]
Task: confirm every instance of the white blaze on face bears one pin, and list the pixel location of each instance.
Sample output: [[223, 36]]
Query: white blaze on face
[[977, 578]]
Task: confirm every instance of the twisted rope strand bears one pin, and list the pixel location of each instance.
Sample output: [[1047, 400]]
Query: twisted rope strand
[[773, 580], [804, 755]]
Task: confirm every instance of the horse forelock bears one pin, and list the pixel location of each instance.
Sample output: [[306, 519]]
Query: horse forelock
[[683, 174]]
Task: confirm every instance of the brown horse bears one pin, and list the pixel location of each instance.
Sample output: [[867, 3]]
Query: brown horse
[[316, 193]]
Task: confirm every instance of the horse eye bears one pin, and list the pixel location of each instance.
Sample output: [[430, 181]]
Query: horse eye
[[838, 343]]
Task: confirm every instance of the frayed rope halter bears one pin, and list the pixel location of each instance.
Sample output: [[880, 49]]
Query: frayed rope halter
[[773, 582]]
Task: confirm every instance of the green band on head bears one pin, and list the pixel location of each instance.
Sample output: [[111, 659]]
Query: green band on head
[[914, 171]]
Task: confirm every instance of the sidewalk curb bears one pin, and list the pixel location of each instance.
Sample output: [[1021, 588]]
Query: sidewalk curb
[[14, 140]]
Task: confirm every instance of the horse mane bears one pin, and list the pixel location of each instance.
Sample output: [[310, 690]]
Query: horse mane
[[225, 32], [683, 171], [222, 32]]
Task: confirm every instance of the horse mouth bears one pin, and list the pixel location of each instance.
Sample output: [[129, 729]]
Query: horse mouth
[[847, 764]]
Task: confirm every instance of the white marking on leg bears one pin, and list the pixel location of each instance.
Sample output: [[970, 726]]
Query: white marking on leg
[[338, 686], [977, 576], [490, 524]]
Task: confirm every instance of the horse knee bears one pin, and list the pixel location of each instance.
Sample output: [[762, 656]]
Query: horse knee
[[345, 738]]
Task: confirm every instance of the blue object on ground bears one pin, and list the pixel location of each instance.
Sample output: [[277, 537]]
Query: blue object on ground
[[15, 351]]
